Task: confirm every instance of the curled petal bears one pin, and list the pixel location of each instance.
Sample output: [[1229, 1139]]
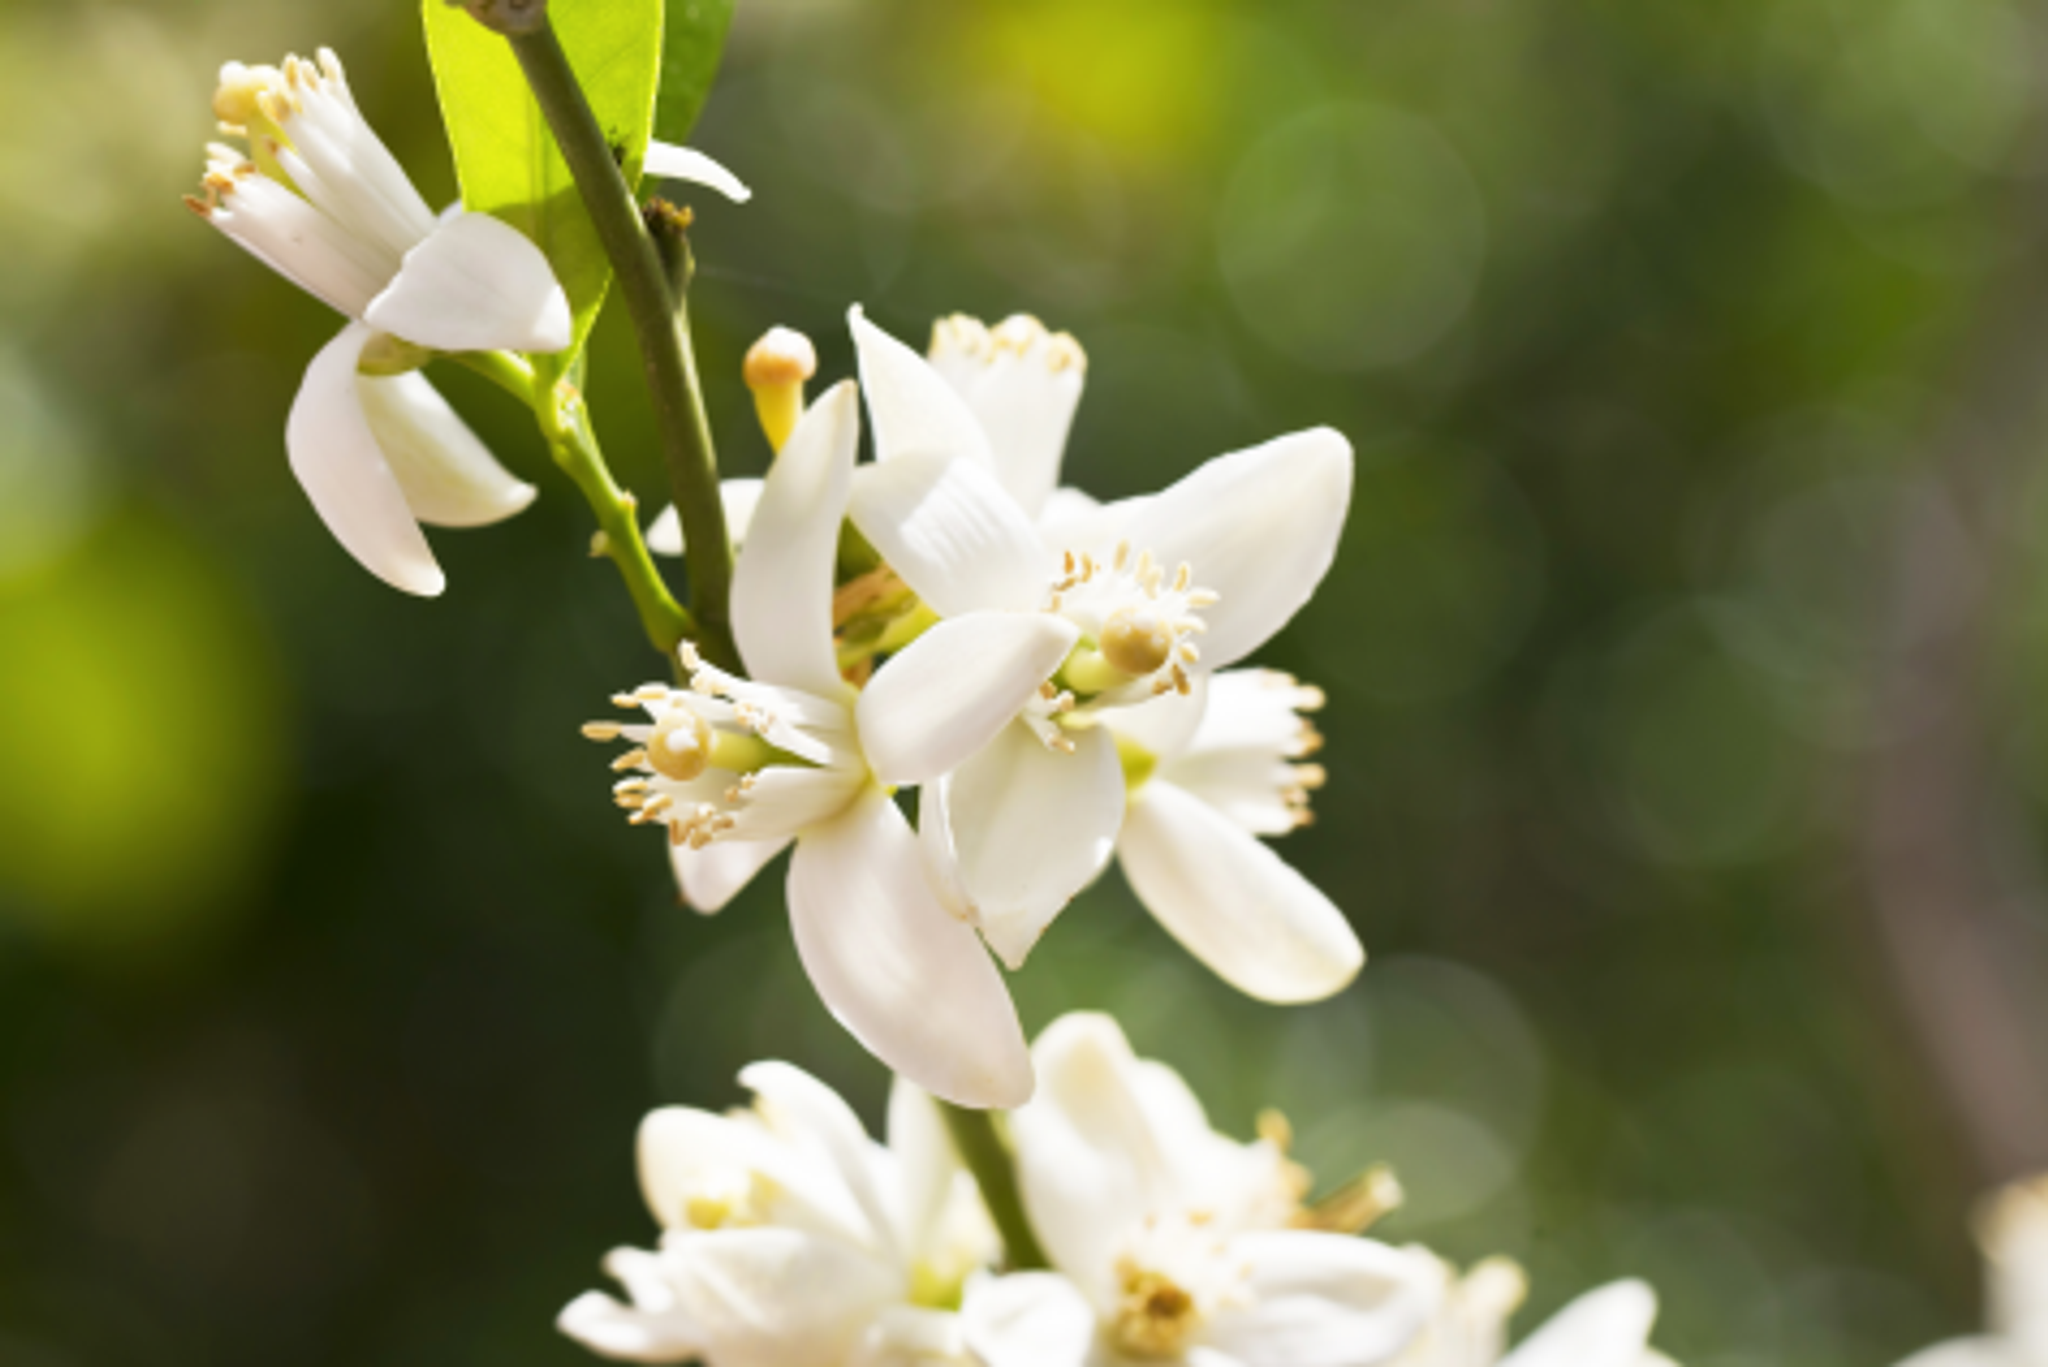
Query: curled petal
[[714, 875], [335, 455], [740, 497], [1031, 827], [1260, 527], [669, 162], [475, 284], [914, 410], [1237, 906], [1328, 1300], [782, 585], [946, 695], [629, 1333], [951, 532], [449, 477], [909, 982], [798, 1105]]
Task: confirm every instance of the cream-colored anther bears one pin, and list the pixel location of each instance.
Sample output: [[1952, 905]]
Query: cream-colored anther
[[776, 367], [1155, 1317], [1138, 640], [680, 747], [238, 99]]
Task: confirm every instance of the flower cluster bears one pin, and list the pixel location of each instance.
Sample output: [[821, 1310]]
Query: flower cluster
[[790, 1238], [1053, 674]]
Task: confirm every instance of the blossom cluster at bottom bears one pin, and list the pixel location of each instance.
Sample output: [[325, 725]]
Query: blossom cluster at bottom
[[791, 1238]]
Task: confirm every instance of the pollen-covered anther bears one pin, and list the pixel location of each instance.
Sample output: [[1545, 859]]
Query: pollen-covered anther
[[1155, 1316]]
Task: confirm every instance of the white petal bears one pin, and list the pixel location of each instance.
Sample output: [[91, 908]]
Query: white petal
[[1162, 726], [1089, 1162], [1260, 527], [625, 1333], [677, 1143], [1607, 1327], [686, 1153], [1237, 906], [449, 477], [907, 1336], [2012, 1226], [782, 585], [914, 410], [714, 875], [946, 695], [1029, 1319], [926, 1162], [342, 469], [1025, 401], [907, 980], [1327, 1300], [475, 284], [948, 528], [935, 845], [796, 1104], [740, 497], [777, 1298], [1030, 828], [1072, 521], [670, 162]]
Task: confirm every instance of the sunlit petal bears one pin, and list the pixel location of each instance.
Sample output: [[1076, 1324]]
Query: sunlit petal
[[782, 584], [909, 981], [1030, 828], [949, 530], [335, 455], [712, 876], [1328, 1300], [450, 478], [1607, 1327], [914, 411], [1235, 904], [740, 497], [475, 284], [947, 694], [1259, 527], [669, 162], [1029, 1319]]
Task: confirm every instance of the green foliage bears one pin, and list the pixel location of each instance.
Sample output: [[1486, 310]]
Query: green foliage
[[696, 41], [505, 158]]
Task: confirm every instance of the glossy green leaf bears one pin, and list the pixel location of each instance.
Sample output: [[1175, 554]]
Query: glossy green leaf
[[696, 41], [505, 158]]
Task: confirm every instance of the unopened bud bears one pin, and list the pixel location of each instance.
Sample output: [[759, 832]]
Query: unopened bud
[[776, 368]]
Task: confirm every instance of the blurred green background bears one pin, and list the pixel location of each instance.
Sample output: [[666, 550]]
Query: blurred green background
[[1685, 653]]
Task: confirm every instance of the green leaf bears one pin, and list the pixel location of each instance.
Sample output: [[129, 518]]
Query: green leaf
[[505, 158], [696, 40]]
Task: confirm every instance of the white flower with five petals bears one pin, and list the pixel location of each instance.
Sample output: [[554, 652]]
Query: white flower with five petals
[[736, 769], [1172, 1243], [317, 196], [999, 707], [1606, 1327], [789, 1239], [2012, 1228]]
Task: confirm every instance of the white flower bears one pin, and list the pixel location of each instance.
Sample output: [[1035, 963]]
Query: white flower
[[999, 706], [2012, 1228], [1172, 1243], [1607, 1327], [788, 1237], [737, 769], [1209, 773], [317, 196]]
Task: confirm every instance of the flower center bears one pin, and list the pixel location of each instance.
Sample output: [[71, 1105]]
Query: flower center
[[1137, 627], [1155, 1316], [680, 747]]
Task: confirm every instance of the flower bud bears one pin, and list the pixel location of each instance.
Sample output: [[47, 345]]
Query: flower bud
[[776, 368]]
